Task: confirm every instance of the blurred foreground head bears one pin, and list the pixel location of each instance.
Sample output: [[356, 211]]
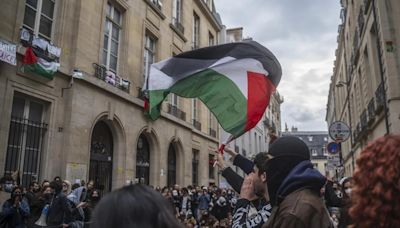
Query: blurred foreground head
[[376, 184], [134, 206]]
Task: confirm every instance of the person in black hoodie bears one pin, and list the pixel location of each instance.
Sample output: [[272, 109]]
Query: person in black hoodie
[[294, 186], [59, 213]]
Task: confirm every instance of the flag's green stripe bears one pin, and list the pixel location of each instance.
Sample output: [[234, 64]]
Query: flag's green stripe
[[220, 94], [36, 68]]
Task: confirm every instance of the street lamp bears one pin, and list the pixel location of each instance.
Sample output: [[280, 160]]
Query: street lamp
[[342, 83]]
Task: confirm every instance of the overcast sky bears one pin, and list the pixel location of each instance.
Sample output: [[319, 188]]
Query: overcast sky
[[302, 34]]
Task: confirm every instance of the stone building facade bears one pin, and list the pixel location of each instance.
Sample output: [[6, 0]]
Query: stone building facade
[[365, 86], [93, 127]]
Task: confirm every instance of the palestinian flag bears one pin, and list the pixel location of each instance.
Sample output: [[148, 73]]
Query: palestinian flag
[[39, 65], [234, 81]]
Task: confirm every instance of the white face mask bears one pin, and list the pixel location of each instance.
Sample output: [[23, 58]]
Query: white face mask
[[348, 191]]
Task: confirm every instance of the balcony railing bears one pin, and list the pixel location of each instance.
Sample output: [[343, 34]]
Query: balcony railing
[[175, 111], [213, 133], [361, 21], [141, 93], [371, 111], [364, 121], [157, 3], [266, 122], [196, 124], [379, 96], [111, 78], [178, 25]]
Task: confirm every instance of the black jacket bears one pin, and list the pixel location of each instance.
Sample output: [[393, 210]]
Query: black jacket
[[59, 211]]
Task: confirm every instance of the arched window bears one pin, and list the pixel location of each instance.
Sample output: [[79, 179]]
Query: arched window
[[143, 160], [171, 178], [101, 154]]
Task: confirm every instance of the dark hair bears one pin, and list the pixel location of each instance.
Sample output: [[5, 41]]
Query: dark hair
[[57, 178], [57, 186], [6, 178], [75, 186], [134, 206], [260, 161], [33, 183]]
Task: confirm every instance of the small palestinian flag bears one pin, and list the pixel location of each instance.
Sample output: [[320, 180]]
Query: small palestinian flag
[[39, 65], [234, 81]]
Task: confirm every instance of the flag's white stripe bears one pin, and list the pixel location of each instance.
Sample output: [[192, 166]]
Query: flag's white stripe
[[48, 66], [237, 71], [234, 69]]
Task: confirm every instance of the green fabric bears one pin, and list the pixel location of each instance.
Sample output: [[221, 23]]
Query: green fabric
[[36, 68], [220, 94]]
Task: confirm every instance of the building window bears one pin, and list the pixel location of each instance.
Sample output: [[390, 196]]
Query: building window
[[112, 30], [255, 142], [196, 31], [171, 176], [211, 40], [315, 165], [149, 53], [194, 109], [310, 138], [195, 167], [177, 11], [173, 100], [143, 160], [211, 169], [324, 152], [314, 152], [25, 139], [39, 17]]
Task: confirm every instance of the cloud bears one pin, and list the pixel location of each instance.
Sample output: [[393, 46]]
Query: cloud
[[302, 34]]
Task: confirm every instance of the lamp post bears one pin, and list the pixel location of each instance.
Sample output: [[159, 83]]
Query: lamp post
[[339, 85]]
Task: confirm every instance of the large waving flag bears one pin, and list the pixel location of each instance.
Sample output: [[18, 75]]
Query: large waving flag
[[234, 81]]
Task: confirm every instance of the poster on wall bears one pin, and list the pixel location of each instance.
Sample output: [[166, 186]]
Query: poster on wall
[[76, 171], [8, 52]]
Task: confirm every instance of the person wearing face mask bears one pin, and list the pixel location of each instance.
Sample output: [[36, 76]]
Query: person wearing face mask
[[15, 210], [294, 187], [6, 186], [345, 219]]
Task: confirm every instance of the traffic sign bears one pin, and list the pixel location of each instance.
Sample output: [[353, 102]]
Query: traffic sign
[[332, 148], [339, 131]]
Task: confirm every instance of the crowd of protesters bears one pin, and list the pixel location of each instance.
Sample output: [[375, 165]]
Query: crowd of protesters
[[201, 206], [281, 189], [56, 203]]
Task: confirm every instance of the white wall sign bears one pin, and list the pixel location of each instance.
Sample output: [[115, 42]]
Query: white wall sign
[[339, 131], [8, 52]]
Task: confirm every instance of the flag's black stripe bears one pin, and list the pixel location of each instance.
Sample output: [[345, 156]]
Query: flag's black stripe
[[205, 57]]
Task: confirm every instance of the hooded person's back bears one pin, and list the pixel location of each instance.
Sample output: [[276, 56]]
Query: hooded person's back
[[294, 186]]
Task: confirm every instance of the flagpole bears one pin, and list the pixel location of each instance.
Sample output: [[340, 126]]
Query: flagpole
[[222, 147]]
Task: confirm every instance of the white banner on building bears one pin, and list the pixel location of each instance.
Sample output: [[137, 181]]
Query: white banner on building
[[8, 52]]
